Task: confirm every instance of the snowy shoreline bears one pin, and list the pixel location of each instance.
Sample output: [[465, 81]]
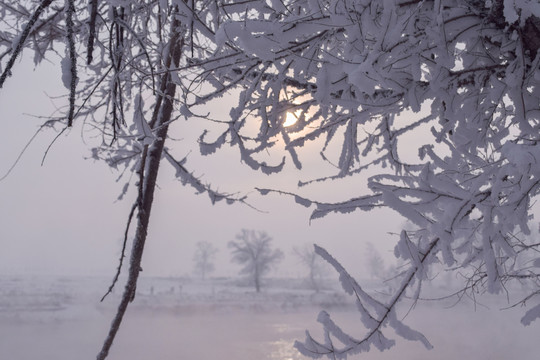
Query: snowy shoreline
[[22, 297]]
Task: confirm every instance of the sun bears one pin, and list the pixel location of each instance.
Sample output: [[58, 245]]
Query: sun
[[291, 118]]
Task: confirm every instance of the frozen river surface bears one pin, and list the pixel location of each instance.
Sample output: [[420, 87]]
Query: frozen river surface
[[54, 324]]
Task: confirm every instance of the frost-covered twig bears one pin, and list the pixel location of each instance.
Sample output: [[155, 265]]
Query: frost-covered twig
[[188, 178], [21, 40], [71, 84], [375, 316], [322, 209], [93, 6]]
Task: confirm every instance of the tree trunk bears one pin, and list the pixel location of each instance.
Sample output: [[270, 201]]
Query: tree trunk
[[257, 284], [162, 111]]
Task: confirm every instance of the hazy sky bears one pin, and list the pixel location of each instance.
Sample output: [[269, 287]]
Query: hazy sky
[[64, 217]]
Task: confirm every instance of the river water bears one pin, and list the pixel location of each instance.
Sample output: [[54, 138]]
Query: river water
[[259, 335]]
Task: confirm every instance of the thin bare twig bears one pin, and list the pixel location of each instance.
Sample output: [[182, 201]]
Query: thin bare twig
[[123, 252], [26, 146]]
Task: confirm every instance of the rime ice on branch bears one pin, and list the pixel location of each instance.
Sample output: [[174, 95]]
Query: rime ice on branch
[[364, 75]]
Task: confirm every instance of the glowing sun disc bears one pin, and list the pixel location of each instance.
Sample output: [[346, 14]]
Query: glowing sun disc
[[290, 119]]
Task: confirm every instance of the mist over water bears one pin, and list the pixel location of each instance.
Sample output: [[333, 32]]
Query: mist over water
[[171, 319]]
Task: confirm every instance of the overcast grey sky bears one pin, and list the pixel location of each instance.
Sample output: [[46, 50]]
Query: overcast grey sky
[[63, 217]]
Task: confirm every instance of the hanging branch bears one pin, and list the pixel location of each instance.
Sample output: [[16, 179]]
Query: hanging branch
[[18, 48], [72, 59], [191, 32], [374, 314], [153, 159], [93, 4]]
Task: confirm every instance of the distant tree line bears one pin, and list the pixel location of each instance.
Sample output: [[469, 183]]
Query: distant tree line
[[253, 250]]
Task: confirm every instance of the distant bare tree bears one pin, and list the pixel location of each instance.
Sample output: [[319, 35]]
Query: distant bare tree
[[253, 250], [375, 263], [316, 265], [204, 258]]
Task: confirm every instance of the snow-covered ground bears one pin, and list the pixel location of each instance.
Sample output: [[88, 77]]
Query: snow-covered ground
[[223, 319]]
